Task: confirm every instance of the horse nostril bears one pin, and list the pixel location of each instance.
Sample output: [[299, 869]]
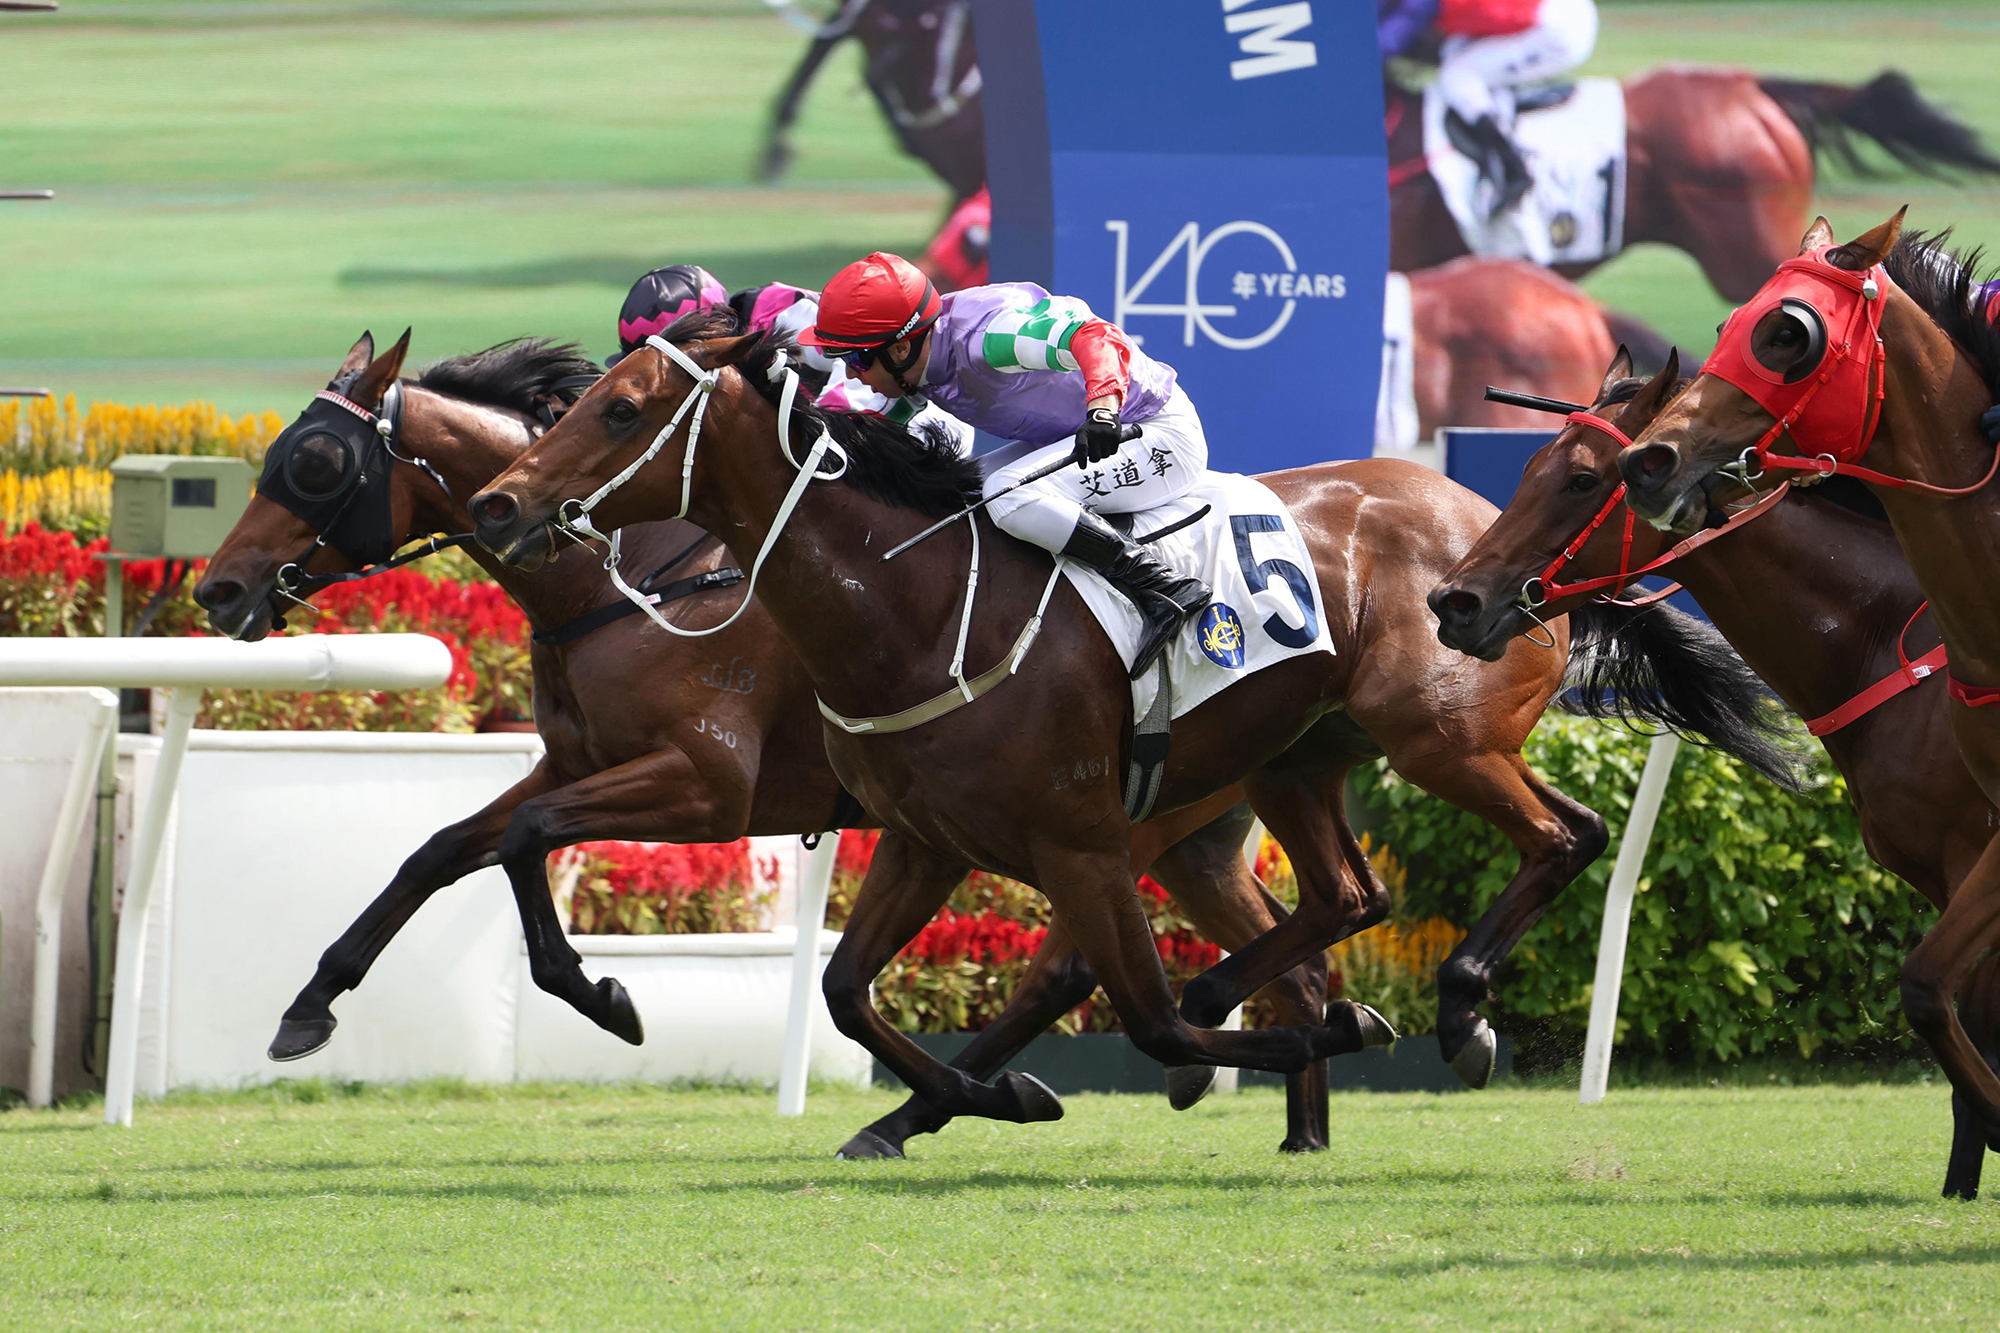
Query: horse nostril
[[1457, 606], [494, 509], [218, 594], [1656, 460]]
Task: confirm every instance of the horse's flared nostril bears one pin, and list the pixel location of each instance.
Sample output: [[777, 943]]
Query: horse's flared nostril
[[218, 595], [493, 511], [1650, 466], [1454, 606]]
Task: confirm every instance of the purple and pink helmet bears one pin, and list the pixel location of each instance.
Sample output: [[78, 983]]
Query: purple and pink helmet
[[660, 298]]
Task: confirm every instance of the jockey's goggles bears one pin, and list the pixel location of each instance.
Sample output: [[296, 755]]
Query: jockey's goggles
[[860, 358]]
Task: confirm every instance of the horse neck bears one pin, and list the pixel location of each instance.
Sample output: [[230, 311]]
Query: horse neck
[[874, 637], [470, 444], [1929, 432], [1813, 598]]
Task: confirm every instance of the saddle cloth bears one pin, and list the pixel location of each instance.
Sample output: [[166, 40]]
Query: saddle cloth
[[1265, 608], [1396, 423], [1575, 149]]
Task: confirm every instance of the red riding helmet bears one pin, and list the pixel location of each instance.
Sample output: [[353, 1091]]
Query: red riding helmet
[[873, 302]]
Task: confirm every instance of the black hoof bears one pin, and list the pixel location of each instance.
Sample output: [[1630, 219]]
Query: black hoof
[[300, 1037], [1188, 1084], [1375, 1029], [1474, 1061], [867, 1146], [615, 1013], [1302, 1145], [1032, 1099]]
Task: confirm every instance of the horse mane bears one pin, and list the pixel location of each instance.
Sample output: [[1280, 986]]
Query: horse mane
[[920, 470], [1940, 280], [1658, 665], [516, 375]]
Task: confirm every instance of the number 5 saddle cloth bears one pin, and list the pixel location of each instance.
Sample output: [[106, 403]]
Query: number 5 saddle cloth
[[1266, 605]]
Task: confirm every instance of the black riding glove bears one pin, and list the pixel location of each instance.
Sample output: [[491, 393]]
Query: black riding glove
[[1100, 437], [1990, 423]]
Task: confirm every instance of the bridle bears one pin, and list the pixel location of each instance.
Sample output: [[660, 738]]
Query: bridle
[[573, 516]]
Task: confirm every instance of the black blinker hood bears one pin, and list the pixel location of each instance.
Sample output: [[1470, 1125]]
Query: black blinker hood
[[354, 517]]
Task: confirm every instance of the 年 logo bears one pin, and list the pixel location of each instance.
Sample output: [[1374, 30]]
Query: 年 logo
[[1246, 283]]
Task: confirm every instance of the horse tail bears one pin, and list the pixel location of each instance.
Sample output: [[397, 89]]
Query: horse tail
[[1648, 346], [1887, 109], [1658, 665]]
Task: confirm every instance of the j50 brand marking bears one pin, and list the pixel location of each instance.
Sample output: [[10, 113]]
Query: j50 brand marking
[[703, 727], [742, 680], [1079, 771]]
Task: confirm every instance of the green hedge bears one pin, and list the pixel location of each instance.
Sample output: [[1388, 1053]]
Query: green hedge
[[1760, 926]]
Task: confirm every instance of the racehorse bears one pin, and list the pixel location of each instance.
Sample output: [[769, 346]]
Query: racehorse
[[634, 723], [1884, 325], [1719, 164], [1837, 611], [923, 73], [872, 635]]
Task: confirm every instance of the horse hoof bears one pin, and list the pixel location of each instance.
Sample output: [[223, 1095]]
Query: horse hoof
[[1304, 1145], [616, 1013], [1474, 1061], [1032, 1099], [867, 1146], [299, 1037], [1188, 1084], [1375, 1029]]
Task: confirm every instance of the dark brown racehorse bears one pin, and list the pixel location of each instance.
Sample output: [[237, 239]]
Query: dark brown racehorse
[[876, 638], [1719, 164], [924, 74], [632, 719], [1941, 370], [1821, 622]]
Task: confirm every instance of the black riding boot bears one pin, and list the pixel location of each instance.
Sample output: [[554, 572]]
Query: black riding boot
[[1163, 597], [1501, 162]]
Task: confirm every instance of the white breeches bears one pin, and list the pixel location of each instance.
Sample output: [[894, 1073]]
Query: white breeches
[[1477, 75], [1169, 456]]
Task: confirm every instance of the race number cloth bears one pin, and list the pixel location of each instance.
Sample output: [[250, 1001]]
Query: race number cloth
[[1576, 150], [1396, 406], [1266, 605]]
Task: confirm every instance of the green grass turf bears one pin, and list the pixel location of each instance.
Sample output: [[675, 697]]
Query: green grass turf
[[245, 184], [576, 1208]]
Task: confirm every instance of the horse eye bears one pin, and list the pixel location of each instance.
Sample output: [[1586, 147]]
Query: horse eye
[[1583, 483], [622, 410], [317, 466]]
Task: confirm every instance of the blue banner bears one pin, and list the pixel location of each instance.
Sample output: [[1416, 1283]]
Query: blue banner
[[1213, 178]]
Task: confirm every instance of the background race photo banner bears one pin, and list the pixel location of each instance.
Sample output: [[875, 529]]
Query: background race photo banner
[[1213, 177]]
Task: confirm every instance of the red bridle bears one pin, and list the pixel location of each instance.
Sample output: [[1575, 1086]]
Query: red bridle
[[1551, 591]]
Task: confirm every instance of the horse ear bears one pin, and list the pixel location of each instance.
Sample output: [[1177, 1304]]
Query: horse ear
[[1871, 247], [1621, 369], [381, 373], [1652, 400], [731, 351], [358, 355], [1820, 233]]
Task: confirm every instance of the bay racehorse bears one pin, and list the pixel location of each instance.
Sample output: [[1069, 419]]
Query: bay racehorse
[[1829, 622], [1872, 349], [971, 786], [1720, 163], [648, 736]]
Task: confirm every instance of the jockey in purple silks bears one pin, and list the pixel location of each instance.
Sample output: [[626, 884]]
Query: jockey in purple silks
[[1042, 372]]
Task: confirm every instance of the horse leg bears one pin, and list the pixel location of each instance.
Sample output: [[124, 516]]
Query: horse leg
[[1978, 1010], [658, 797], [1092, 891], [777, 153], [446, 857], [1057, 980], [1936, 970], [906, 885], [1556, 838], [1212, 886]]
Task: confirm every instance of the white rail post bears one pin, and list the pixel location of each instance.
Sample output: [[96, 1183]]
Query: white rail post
[[129, 978], [814, 884], [49, 896], [1618, 915]]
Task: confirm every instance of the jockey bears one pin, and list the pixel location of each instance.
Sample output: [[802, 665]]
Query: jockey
[[1043, 372], [1492, 47], [660, 298]]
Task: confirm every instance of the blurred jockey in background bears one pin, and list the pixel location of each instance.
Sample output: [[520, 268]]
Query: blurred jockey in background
[[1045, 373], [1490, 48]]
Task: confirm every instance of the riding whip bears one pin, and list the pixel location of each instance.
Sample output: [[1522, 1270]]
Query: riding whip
[[944, 523], [1533, 402]]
